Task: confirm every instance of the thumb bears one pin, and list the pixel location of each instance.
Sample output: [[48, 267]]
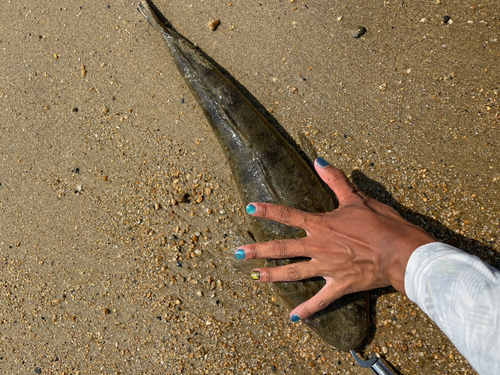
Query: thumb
[[336, 180]]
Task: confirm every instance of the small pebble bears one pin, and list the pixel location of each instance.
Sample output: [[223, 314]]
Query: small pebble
[[360, 32], [182, 197], [446, 19], [214, 24]]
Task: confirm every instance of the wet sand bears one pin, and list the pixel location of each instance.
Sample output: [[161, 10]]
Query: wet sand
[[119, 217]]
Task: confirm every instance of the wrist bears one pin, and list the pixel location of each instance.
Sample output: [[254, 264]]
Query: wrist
[[406, 245]]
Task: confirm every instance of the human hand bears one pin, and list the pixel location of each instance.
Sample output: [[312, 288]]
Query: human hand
[[362, 245]]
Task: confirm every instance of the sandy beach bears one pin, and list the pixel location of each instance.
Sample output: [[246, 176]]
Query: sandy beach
[[119, 216]]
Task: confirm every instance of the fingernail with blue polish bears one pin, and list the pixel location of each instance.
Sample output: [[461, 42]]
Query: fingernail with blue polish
[[322, 162], [295, 318], [251, 209], [255, 275], [240, 254]]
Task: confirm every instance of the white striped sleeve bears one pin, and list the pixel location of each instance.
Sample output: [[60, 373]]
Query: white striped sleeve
[[461, 294]]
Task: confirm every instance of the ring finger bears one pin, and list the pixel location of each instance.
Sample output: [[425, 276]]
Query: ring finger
[[290, 272]]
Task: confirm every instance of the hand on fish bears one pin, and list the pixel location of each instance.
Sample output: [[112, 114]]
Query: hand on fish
[[362, 245]]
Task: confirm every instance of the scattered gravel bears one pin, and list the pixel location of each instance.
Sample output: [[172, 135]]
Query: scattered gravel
[[126, 266]]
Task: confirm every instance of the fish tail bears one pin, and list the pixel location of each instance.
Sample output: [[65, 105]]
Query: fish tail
[[146, 8]]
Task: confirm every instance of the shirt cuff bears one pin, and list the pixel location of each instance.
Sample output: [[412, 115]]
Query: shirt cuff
[[422, 261]]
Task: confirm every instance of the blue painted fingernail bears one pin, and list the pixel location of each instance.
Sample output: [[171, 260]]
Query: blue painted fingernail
[[322, 162], [295, 318], [251, 209], [240, 254]]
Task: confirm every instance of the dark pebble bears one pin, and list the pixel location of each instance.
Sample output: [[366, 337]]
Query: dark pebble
[[75, 109], [179, 264], [38, 370], [360, 32], [410, 187], [372, 164], [182, 198], [446, 19], [183, 100]]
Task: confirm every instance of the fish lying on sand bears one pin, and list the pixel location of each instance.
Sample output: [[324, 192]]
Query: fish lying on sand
[[266, 168]]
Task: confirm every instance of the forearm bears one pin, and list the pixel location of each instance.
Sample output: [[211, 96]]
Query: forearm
[[462, 295]]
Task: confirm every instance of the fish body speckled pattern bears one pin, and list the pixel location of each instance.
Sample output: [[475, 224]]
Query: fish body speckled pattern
[[266, 168]]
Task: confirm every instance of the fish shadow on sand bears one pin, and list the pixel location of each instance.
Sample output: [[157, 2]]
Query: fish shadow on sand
[[377, 191]]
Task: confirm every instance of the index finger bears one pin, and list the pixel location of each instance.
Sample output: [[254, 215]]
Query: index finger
[[282, 214], [336, 180]]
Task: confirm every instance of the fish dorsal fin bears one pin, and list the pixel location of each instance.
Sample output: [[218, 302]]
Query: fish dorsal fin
[[307, 148]]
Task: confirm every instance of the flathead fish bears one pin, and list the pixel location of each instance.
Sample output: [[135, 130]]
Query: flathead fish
[[266, 168]]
